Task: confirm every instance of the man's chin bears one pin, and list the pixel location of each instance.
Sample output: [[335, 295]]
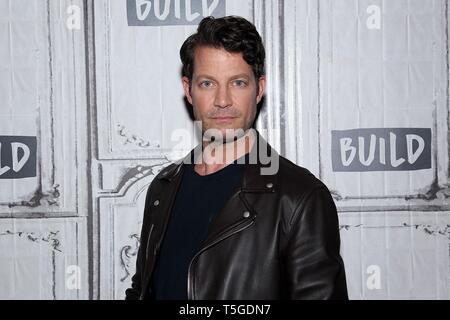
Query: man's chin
[[224, 135]]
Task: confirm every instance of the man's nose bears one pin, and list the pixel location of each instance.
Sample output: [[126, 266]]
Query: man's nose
[[223, 97]]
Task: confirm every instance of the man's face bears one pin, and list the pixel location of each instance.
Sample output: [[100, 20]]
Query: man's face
[[224, 92]]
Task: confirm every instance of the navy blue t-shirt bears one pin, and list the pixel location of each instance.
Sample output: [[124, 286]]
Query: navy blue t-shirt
[[198, 200]]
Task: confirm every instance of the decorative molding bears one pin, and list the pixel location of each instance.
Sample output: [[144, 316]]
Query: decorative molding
[[120, 213], [47, 60], [131, 138], [131, 176], [438, 190], [103, 73], [267, 19], [126, 253], [51, 197], [50, 237], [336, 196], [429, 229], [433, 192], [52, 168]]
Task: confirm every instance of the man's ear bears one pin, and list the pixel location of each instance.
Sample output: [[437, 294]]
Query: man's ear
[[187, 88], [261, 88]]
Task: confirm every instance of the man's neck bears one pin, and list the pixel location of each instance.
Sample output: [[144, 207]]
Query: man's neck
[[216, 156]]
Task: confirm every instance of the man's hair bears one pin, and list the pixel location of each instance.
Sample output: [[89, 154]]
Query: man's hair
[[232, 33]]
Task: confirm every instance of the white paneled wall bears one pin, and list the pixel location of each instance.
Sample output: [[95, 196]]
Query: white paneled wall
[[103, 98], [43, 218]]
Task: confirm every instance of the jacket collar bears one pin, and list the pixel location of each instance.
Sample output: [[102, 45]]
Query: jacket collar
[[253, 181]]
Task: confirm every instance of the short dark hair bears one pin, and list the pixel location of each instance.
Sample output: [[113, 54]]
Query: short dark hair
[[232, 33]]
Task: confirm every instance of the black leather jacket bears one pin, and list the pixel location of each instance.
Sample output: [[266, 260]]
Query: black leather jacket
[[277, 238]]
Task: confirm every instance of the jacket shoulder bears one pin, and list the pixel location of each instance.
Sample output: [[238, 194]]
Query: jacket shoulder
[[296, 178], [295, 185]]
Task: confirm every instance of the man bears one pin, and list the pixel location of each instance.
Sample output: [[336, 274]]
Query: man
[[216, 225]]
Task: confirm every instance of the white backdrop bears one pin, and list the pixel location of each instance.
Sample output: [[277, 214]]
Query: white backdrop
[[92, 90]]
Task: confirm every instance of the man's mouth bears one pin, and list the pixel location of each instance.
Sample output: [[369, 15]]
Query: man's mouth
[[223, 119]]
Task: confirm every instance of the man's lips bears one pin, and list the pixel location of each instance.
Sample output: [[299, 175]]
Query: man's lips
[[223, 119]]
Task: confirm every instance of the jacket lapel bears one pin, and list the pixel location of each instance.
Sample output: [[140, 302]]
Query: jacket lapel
[[161, 216], [240, 208]]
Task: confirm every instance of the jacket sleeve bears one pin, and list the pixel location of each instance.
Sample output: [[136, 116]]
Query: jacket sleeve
[[315, 269], [135, 291]]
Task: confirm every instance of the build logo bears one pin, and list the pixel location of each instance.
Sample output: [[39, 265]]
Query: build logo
[[172, 12]]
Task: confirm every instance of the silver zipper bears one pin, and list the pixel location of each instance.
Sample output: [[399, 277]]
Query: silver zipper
[[141, 297], [148, 241]]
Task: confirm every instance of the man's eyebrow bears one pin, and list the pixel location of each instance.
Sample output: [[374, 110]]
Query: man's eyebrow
[[241, 75], [205, 76]]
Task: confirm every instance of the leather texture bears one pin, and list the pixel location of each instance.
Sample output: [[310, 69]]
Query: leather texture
[[276, 238]]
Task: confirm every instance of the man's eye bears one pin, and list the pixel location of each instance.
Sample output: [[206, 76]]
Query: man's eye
[[206, 84], [240, 83]]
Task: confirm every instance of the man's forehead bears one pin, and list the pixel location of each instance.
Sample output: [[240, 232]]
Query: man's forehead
[[210, 60]]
